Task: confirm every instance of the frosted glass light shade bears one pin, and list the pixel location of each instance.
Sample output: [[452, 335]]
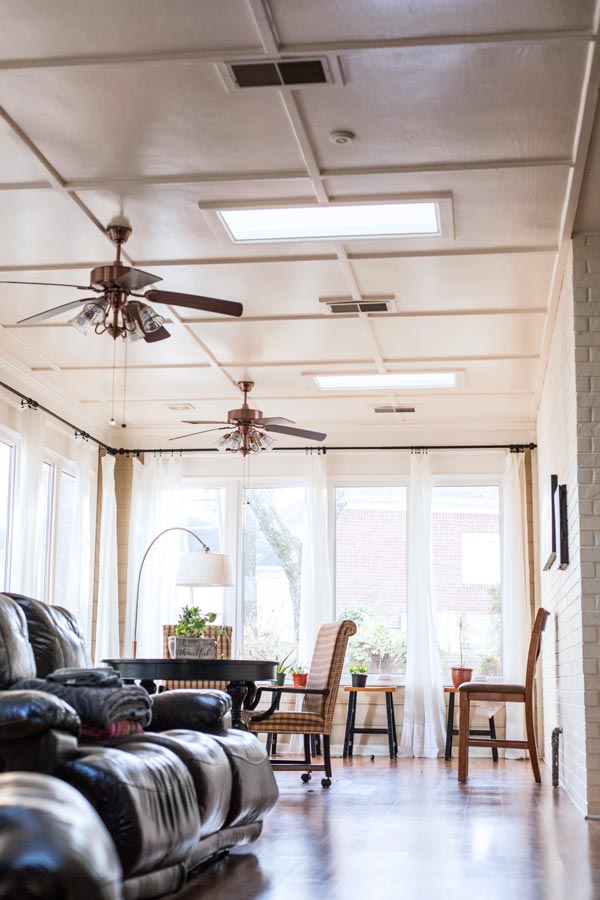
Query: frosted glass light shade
[[204, 570]]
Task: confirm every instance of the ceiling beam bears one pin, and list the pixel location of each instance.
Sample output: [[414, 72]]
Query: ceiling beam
[[316, 48]]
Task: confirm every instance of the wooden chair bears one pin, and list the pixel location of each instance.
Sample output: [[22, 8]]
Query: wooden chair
[[505, 693], [316, 716], [220, 634]]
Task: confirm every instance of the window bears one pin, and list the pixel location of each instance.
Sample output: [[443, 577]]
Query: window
[[370, 573], [273, 531], [7, 461], [203, 509], [466, 563], [64, 531]]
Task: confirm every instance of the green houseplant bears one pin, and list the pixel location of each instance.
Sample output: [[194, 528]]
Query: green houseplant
[[299, 676], [282, 670], [359, 672], [189, 640], [460, 673]]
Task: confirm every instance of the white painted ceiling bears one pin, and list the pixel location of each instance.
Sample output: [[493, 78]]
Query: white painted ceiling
[[113, 108]]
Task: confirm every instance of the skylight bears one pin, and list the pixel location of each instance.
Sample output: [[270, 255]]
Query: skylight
[[322, 223], [379, 382]]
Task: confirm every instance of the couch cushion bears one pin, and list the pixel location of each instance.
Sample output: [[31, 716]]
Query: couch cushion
[[54, 635], [254, 787], [145, 796], [16, 654], [199, 710], [209, 767], [24, 713], [52, 843]]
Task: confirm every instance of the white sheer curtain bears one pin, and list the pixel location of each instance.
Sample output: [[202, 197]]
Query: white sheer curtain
[[79, 593], [107, 620], [516, 619], [28, 537], [156, 504], [423, 729], [315, 596]]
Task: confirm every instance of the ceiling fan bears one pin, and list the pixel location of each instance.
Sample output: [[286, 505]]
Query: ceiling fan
[[247, 428], [112, 310]]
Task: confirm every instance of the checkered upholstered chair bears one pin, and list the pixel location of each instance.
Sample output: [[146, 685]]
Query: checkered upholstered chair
[[316, 716]]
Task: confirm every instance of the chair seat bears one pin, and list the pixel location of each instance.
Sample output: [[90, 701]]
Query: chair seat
[[290, 723], [486, 687]]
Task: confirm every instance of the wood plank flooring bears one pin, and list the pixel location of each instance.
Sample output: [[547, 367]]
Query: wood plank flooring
[[406, 830]]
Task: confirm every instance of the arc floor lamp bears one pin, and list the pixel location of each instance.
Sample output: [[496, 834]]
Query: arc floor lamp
[[195, 570]]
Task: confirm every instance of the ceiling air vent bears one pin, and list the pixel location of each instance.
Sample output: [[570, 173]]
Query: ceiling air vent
[[346, 306], [394, 409], [278, 73]]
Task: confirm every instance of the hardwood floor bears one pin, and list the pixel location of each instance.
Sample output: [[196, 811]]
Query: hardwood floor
[[406, 830]]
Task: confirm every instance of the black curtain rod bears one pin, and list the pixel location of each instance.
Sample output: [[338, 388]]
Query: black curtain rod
[[123, 451], [417, 448]]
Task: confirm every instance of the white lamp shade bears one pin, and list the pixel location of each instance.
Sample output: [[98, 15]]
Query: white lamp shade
[[204, 570]]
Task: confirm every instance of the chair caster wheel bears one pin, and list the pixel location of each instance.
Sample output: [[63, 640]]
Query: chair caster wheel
[[306, 776], [325, 782]]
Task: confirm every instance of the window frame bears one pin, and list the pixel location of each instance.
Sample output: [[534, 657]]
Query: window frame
[[335, 481], [495, 480], [59, 465]]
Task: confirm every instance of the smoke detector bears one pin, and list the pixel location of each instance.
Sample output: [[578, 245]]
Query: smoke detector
[[342, 137]]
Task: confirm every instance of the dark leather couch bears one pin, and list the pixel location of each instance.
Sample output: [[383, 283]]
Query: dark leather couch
[[170, 799]]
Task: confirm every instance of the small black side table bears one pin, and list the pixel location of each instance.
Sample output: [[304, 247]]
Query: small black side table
[[351, 728], [451, 730]]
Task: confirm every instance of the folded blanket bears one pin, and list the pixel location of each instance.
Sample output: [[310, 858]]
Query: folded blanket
[[106, 677], [97, 706], [122, 728]]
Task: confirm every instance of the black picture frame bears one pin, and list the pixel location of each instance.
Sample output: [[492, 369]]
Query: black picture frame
[[550, 520], [562, 526]]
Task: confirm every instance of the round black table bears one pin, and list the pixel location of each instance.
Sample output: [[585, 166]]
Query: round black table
[[240, 675]]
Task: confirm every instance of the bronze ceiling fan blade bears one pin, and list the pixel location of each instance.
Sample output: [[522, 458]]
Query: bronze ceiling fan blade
[[136, 279], [275, 420], [206, 422], [55, 311], [298, 432], [194, 433], [194, 301], [80, 287]]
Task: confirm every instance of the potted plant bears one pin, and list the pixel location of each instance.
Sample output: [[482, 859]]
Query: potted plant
[[299, 676], [359, 672], [461, 673], [282, 670], [189, 640]]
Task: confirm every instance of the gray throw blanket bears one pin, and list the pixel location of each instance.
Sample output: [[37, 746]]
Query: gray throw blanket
[[97, 706], [107, 677]]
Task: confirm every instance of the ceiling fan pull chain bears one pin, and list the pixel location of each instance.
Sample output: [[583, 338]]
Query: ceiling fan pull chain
[[123, 423], [112, 398]]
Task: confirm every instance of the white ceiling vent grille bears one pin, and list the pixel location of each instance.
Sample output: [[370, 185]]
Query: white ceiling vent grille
[[278, 73], [339, 306], [394, 409]]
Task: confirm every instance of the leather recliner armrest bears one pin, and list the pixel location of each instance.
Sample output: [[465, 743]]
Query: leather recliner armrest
[[25, 713], [37, 731], [197, 710]]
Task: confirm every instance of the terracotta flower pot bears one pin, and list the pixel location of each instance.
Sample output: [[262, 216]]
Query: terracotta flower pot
[[460, 675], [300, 679]]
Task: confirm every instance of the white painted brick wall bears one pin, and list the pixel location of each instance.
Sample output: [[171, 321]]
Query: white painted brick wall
[[586, 311], [565, 416]]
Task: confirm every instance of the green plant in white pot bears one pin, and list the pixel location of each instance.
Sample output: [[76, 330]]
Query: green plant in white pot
[[189, 640]]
